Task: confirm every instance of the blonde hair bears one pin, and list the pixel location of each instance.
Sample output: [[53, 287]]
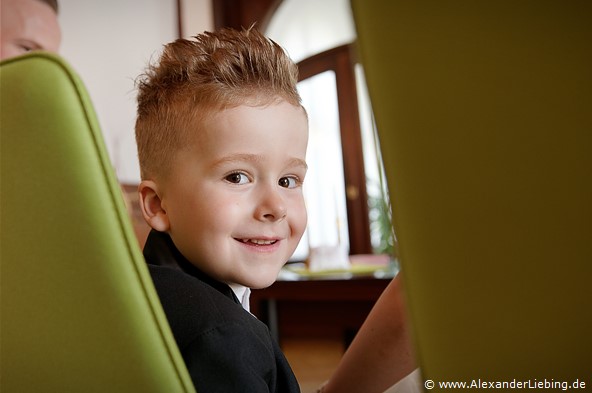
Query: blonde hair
[[194, 78]]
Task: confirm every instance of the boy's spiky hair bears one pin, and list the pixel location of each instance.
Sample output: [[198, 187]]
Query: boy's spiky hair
[[194, 78]]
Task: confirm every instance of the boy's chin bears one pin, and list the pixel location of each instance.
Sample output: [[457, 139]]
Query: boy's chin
[[261, 286], [261, 282]]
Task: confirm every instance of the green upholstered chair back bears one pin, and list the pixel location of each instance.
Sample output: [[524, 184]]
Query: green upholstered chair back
[[79, 312], [484, 112]]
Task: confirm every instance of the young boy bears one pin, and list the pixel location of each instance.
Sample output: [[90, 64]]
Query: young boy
[[222, 140]]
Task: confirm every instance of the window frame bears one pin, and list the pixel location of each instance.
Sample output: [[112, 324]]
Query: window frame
[[341, 60]]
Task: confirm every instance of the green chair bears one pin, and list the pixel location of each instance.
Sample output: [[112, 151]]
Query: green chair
[[78, 309], [484, 112]]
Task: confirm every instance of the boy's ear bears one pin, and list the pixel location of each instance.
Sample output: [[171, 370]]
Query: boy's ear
[[151, 206]]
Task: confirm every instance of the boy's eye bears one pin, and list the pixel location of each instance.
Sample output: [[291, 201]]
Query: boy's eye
[[288, 182], [237, 178]]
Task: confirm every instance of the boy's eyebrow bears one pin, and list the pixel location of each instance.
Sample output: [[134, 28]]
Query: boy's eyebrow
[[292, 162]]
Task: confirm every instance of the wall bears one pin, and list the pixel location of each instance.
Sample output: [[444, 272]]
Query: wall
[[109, 43], [197, 16]]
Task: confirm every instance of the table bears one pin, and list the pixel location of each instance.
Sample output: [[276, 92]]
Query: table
[[319, 306]]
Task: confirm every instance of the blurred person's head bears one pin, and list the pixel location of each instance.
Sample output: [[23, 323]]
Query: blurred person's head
[[29, 25]]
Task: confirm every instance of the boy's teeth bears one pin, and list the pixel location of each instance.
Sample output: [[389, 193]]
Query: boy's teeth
[[259, 242]]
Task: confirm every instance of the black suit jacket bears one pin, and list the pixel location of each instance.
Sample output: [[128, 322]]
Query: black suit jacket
[[225, 348]]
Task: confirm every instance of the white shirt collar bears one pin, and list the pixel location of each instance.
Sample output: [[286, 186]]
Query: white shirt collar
[[243, 294]]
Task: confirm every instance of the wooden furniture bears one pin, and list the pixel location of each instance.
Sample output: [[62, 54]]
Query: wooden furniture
[[318, 307]]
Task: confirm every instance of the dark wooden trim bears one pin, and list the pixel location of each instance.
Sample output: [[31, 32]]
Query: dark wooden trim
[[240, 14], [340, 60], [179, 19]]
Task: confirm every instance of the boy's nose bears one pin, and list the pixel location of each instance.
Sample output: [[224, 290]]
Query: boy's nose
[[271, 206]]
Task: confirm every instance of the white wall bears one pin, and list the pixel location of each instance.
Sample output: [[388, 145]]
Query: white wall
[[109, 43], [198, 16]]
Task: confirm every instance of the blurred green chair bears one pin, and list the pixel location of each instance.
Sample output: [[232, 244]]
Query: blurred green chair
[[484, 112], [78, 309]]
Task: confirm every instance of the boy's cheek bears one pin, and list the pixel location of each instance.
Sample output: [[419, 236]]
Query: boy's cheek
[[301, 219]]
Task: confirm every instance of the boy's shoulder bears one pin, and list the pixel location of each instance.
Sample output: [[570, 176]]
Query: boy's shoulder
[[190, 296], [194, 307]]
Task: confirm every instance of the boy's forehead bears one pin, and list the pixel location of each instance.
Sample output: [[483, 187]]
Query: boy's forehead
[[229, 126], [211, 117]]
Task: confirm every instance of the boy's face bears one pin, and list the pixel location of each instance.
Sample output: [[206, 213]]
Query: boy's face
[[234, 199], [28, 25]]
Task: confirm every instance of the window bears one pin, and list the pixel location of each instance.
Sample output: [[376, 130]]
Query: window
[[324, 183]]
